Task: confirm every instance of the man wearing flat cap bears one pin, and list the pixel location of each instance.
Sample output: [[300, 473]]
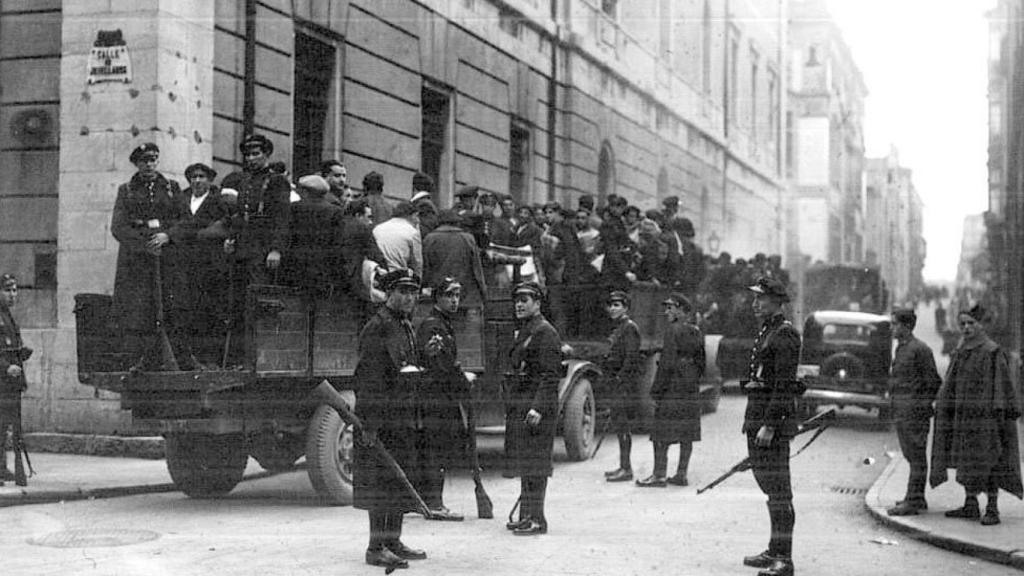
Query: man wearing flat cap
[[769, 422], [13, 354], [443, 434], [531, 413], [449, 250], [388, 403], [915, 381], [151, 280], [259, 227], [422, 188], [313, 255], [976, 412], [621, 371]]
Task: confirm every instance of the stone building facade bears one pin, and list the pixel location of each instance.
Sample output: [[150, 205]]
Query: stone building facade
[[544, 99]]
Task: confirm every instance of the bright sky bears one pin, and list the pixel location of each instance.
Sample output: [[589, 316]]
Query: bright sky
[[925, 66]]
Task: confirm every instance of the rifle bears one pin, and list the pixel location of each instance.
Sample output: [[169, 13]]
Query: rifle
[[484, 507], [819, 422], [605, 417], [18, 356], [167, 359], [326, 394]]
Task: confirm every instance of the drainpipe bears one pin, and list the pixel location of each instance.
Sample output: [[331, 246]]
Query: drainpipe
[[552, 105], [249, 99]]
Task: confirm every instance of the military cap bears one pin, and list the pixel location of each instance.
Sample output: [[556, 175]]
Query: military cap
[[770, 287], [254, 140], [422, 182], [468, 191], [143, 149], [905, 316], [671, 201], [400, 278], [619, 296], [200, 167], [677, 299], [531, 289], [446, 285], [419, 196], [373, 182], [314, 183], [978, 312], [8, 280]]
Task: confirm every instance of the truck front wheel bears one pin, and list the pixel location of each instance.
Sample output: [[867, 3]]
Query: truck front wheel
[[329, 456], [205, 465], [579, 420]]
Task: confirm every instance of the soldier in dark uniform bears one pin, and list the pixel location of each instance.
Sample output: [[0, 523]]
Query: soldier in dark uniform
[[258, 227], [676, 393], [621, 368], [916, 381], [13, 354], [769, 424], [387, 404], [531, 415], [145, 223], [443, 432]]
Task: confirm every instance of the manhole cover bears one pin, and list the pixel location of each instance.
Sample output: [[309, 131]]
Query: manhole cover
[[848, 490], [93, 538]]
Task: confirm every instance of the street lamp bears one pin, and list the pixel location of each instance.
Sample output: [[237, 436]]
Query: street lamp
[[713, 242]]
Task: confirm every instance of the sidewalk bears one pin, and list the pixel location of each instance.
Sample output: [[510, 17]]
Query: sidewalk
[[1003, 543]]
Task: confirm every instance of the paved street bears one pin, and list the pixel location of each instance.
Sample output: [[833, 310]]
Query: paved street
[[276, 526]]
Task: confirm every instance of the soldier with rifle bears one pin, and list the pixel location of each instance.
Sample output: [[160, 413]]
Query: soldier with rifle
[[769, 424], [13, 355]]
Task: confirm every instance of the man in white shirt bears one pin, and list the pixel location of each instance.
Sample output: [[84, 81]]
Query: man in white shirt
[[399, 239]]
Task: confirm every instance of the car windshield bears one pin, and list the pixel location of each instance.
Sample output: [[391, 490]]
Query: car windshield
[[835, 333]]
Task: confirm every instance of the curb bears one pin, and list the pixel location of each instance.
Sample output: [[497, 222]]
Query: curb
[[144, 447], [1014, 559]]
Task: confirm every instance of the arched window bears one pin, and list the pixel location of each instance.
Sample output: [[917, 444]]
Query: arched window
[[605, 173], [663, 189]]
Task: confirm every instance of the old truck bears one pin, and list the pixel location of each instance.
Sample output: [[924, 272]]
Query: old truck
[[213, 420]]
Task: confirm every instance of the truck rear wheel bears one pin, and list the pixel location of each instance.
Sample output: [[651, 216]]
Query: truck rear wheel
[[205, 465], [329, 456], [579, 420]]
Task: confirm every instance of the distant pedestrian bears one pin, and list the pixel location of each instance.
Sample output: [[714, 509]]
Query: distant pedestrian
[[915, 383], [975, 422]]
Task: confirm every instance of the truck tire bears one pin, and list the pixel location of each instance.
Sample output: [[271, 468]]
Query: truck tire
[[329, 456], [276, 452], [205, 465], [578, 420]]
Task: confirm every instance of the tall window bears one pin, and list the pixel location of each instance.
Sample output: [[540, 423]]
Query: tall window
[[734, 78], [519, 163], [605, 173], [705, 47], [773, 108], [314, 72], [754, 79], [436, 111]]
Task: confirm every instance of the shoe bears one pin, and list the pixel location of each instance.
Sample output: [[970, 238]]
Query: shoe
[[612, 472], [991, 518], [778, 567], [920, 503], [904, 509], [966, 512], [531, 527], [678, 480], [404, 552], [620, 475], [444, 514], [652, 481], [517, 524], [386, 558], [762, 560]]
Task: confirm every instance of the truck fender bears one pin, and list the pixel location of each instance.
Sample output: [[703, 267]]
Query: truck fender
[[573, 369]]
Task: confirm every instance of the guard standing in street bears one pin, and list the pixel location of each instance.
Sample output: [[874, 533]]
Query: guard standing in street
[[387, 402], [443, 433], [915, 381], [676, 393], [531, 414], [769, 424], [621, 369], [13, 354]]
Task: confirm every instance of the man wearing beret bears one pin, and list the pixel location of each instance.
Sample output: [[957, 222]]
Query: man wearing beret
[[531, 413], [13, 355], [443, 434], [150, 275], [976, 412], [769, 421], [259, 226], [387, 402], [915, 382], [621, 368]]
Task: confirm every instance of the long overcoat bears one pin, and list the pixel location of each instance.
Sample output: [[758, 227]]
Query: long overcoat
[[201, 251], [451, 251], [975, 421], [536, 361], [622, 369], [143, 208], [12, 351], [386, 403], [676, 388], [444, 386]]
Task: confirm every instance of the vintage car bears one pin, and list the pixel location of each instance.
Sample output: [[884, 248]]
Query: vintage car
[[845, 360]]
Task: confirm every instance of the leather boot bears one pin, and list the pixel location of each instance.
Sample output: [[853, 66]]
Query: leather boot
[[404, 552], [779, 567], [760, 560], [385, 558], [620, 475], [969, 510], [991, 517]]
